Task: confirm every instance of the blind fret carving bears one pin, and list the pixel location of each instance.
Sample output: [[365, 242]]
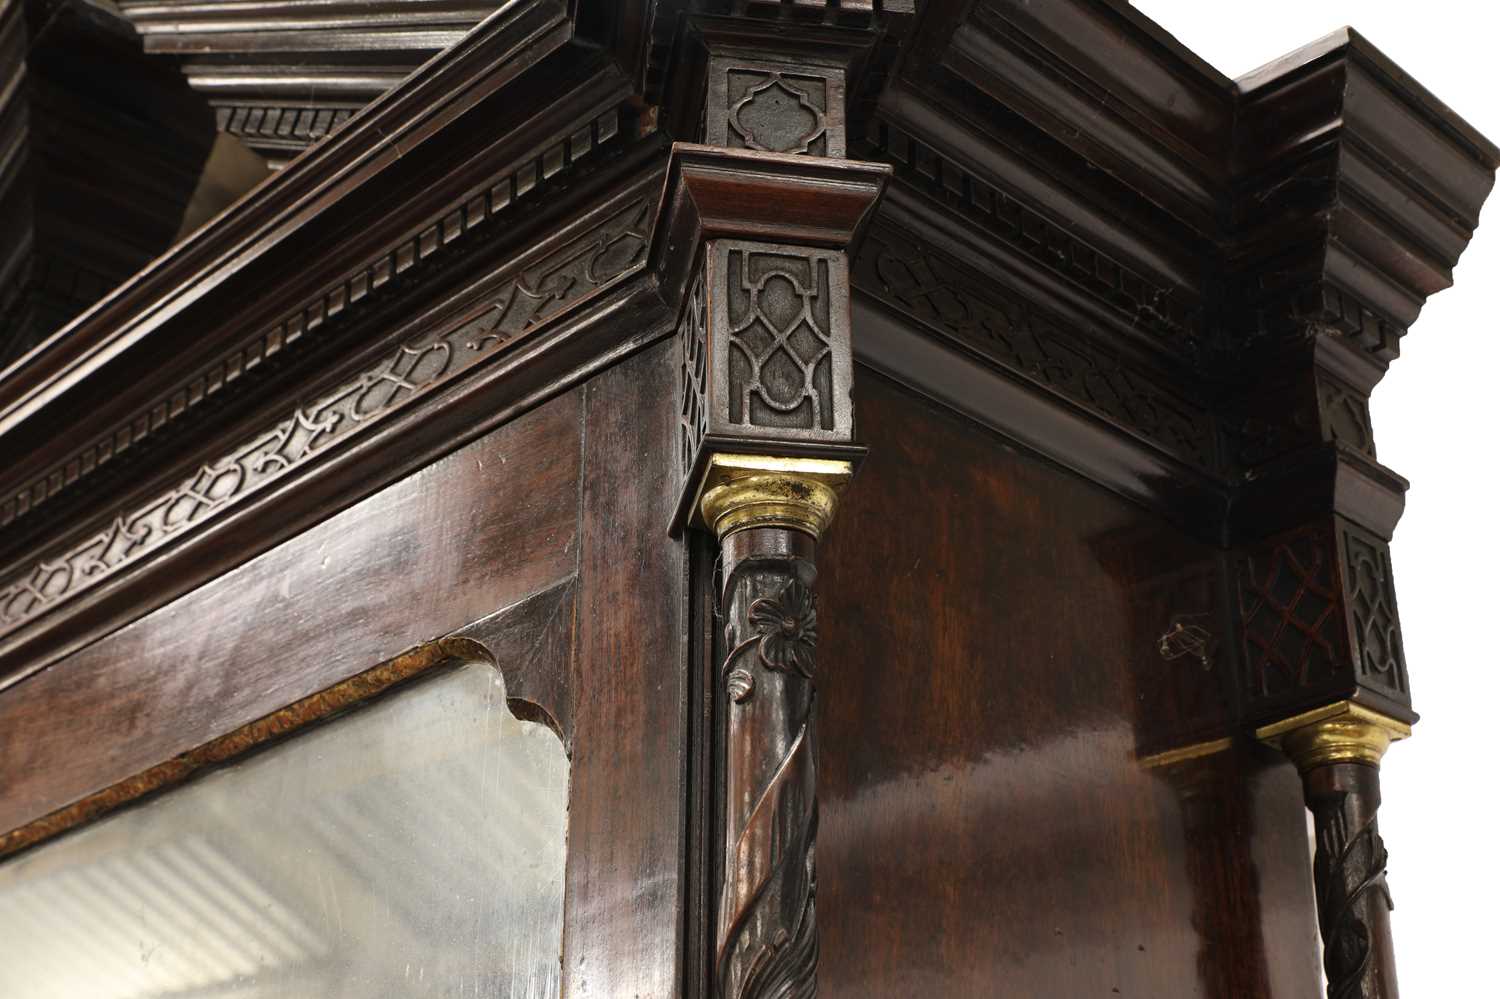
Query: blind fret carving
[[778, 112], [775, 108], [599, 257], [1380, 660], [780, 337], [693, 339], [314, 317], [1016, 334]]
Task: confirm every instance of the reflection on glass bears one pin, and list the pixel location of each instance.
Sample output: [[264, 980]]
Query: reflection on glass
[[414, 847]]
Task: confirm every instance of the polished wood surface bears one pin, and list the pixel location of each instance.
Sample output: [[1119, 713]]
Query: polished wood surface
[[985, 823], [627, 815], [461, 539], [415, 393]]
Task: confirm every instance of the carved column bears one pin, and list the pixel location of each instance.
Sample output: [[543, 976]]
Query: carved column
[[766, 447], [1337, 750], [767, 519], [1321, 290], [754, 241]]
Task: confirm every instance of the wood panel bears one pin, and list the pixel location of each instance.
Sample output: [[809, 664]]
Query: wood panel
[[988, 626], [623, 932], [469, 534]]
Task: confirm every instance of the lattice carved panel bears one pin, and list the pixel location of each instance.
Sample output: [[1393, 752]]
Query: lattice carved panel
[[1291, 614], [780, 338], [764, 352]]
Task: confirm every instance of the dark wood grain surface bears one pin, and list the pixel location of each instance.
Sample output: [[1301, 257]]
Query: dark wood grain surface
[[627, 813], [985, 828], [1178, 290], [466, 536]]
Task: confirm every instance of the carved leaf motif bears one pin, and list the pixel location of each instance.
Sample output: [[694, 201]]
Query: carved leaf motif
[[767, 926], [1349, 874], [787, 967], [788, 628], [741, 685]]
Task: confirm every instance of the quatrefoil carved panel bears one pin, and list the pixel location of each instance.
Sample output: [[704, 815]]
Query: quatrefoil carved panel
[[778, 116], [775, 108]]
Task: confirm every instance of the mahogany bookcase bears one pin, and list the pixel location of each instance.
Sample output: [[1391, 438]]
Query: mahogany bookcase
[[916, 457]]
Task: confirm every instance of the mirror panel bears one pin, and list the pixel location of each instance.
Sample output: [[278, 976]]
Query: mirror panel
[[412, 847]]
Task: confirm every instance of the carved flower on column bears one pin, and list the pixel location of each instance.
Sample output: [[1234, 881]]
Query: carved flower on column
[[788, 627]]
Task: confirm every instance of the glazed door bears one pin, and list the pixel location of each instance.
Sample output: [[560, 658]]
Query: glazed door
[[431, 745]]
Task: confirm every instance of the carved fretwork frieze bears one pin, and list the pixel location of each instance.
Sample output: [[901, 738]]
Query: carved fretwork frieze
[[1025, 339], [1147, 303], [609, 249], [317, 316], [1254, 438], [1345, 414]]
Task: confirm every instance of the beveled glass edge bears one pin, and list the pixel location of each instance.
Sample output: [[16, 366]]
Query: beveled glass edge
[[351, 692]]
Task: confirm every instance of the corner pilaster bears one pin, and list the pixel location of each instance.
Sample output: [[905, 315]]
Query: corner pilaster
[[754, 241], [1356, 192]]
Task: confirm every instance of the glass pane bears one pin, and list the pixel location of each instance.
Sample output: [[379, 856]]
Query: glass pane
[[414, 847]]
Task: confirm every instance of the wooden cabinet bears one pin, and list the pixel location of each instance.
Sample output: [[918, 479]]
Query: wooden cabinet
[[914, 458]]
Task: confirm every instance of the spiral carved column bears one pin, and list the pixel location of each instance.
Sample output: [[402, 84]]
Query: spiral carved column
[[768, 515], [755, 246], [1338, 751]]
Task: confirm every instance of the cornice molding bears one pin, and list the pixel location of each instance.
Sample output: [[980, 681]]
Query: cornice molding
[[1356, 192], [572, 278], [1100, 79], [1158, 298], [1094, 245], [516, 39], [449, 228]]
